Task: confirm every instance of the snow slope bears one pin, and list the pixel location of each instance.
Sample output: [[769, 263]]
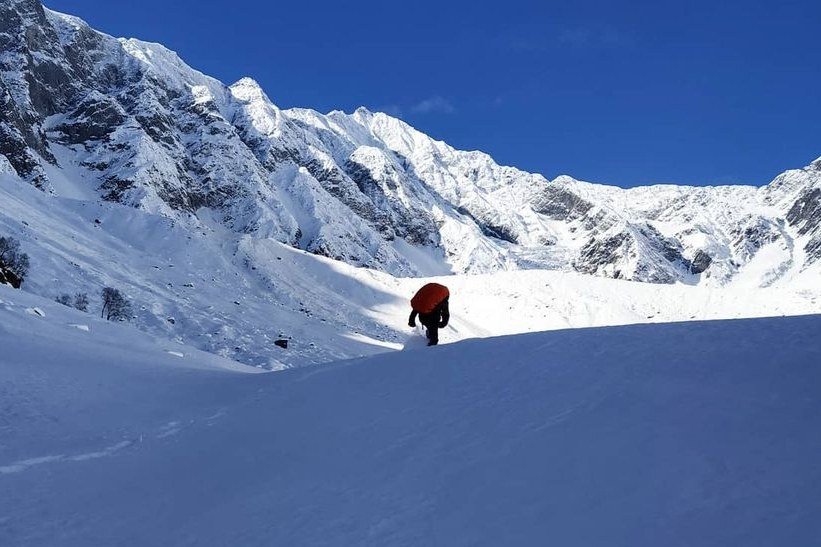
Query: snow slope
[[700, 433], [234, 295]]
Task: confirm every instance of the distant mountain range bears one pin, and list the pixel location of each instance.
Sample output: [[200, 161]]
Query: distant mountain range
[[86, 115]]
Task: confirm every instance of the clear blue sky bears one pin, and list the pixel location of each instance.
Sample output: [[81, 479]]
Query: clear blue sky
[[625, 93]]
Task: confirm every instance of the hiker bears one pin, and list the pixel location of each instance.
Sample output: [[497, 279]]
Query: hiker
[[431, 305]]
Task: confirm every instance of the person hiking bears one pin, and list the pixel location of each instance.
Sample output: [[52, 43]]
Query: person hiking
[[430, 303]]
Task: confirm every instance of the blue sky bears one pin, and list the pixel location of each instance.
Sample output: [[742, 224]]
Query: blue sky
[[623, 92]]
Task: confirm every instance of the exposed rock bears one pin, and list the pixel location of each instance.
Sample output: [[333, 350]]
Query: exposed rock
[[597, 253], [806, 212], [752, 234], [670, 248], [813, 249], [560, 204], [96, 117], [9, 278], [700, 262]]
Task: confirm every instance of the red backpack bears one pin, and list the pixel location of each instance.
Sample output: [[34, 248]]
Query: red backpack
[[428, 297]]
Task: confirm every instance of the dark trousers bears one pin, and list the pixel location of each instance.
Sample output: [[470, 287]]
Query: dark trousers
[[432, 328]]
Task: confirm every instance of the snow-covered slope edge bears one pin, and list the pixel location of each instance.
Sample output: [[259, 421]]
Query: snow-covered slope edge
[[676, 434], [85, 114]]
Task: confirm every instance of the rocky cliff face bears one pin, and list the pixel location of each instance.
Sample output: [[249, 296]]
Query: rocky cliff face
[[128, 121]]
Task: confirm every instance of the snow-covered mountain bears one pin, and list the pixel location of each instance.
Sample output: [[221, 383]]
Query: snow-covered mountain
[[203, 285], [85, 115], [222, 217]]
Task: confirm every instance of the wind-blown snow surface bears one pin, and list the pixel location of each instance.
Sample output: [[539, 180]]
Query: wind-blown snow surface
[[700, 433]]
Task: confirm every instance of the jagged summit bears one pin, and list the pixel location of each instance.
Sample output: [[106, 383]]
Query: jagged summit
[[247, 89], [139, 126]]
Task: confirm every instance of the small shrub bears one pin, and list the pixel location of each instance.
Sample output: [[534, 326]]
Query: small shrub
[[81, 301], [78, 301]]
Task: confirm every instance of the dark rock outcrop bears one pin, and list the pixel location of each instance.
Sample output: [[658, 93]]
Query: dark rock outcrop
[[805, 213], [558, 203], [752, 234], [700, 262], [9, 278], [597, 253]]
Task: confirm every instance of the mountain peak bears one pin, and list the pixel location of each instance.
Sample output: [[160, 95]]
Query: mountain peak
[[248, 90], [363, 114]]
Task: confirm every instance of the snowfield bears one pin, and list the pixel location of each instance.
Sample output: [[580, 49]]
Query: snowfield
[[234, 295], [698, 433]]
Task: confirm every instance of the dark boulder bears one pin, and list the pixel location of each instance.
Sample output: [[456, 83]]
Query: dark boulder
[[9, 278], [700, 262]]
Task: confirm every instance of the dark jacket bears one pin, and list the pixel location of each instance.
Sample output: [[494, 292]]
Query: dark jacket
[[438, 318]]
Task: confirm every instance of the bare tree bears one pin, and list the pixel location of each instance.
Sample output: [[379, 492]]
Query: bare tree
[[13, 262], [116, 307]]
